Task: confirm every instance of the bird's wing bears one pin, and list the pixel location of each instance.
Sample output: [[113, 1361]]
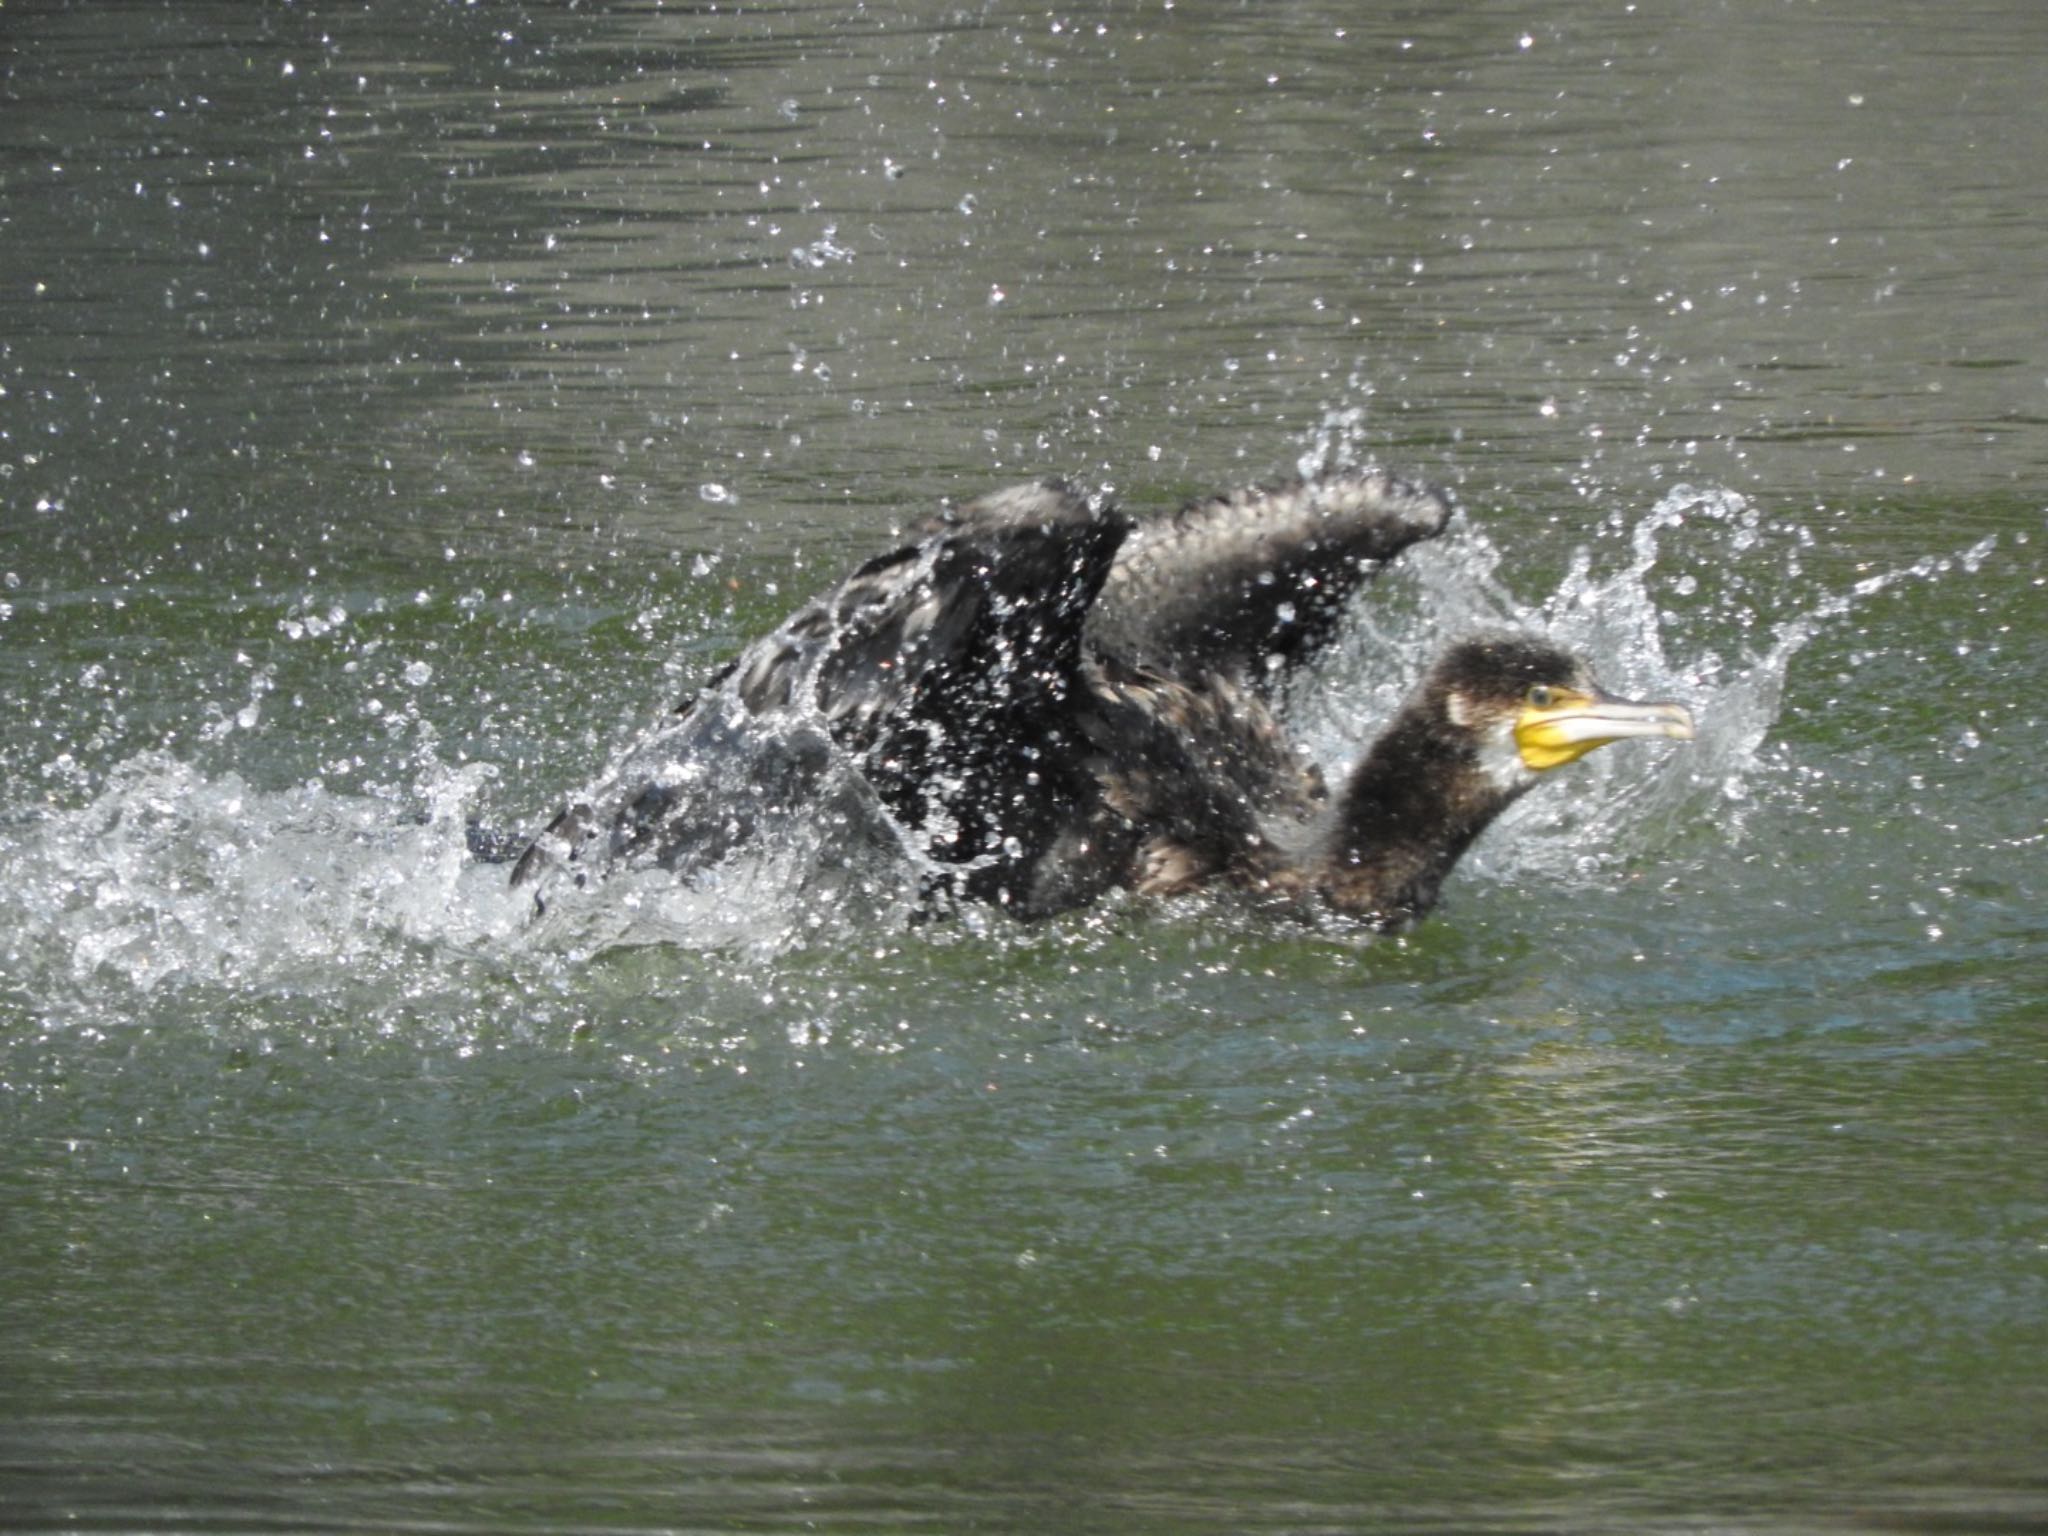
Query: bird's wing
[[1233, 583], [943, 668]]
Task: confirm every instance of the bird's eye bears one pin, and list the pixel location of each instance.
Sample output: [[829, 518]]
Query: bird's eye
[[1540, 696]]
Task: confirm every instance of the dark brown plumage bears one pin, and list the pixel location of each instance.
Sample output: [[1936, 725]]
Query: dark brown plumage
[[1046, 702]]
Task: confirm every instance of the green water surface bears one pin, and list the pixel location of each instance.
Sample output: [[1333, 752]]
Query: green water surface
[[399, 408]]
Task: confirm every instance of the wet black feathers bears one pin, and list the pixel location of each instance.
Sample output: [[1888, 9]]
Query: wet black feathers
[[1238, 583], [1047, 699], [946, 669]]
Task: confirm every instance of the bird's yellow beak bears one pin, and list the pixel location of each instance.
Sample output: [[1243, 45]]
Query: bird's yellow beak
[[1561, 725]]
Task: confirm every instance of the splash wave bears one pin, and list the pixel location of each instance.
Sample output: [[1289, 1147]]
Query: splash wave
[[167, 877]]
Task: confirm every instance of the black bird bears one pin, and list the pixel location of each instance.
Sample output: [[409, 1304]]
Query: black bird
[[1046, 701]]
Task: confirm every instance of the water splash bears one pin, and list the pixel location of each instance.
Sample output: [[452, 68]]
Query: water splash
[[1703, 599], [165, 877], [814, 872]]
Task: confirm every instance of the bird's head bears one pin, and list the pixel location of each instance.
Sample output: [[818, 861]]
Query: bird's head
[[1529, 707]]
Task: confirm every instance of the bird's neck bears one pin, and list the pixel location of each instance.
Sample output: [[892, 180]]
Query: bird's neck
[[1407, 814]]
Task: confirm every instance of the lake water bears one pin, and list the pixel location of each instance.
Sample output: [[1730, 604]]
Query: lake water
[[399, 410]]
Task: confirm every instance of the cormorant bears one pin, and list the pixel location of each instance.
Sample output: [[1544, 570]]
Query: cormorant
[[1047, 701]]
